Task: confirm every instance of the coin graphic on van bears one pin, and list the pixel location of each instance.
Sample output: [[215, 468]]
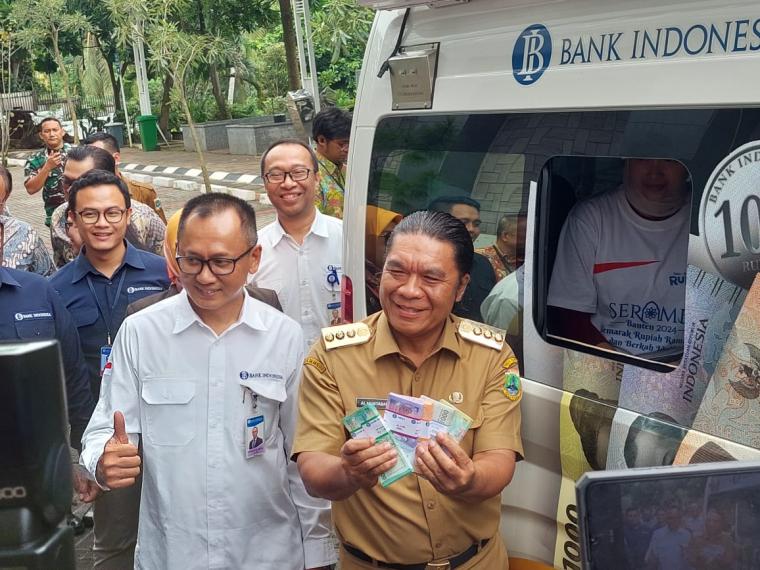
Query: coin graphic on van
[[729, 217]]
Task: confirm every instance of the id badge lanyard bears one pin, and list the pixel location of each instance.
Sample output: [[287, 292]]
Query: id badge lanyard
[[108, 320]]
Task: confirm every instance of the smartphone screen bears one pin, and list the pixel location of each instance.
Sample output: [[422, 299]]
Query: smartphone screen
[[673, 522]]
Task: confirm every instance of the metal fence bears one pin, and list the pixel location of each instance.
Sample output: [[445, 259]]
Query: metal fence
[[49, 103]]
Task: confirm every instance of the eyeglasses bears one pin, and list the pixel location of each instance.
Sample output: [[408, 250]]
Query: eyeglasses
[[192, 265], [111, 215], [296, 175], [66, 182]]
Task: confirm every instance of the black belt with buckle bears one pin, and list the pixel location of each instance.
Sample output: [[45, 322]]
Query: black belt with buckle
[[453, 562]]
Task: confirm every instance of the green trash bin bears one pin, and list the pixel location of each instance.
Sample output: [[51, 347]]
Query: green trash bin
[[148, 131]]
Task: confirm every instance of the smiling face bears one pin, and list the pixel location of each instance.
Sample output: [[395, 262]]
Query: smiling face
[[292, 200], [469, 216], [419, 286], [102, 236], [217, 235], [657, 181]]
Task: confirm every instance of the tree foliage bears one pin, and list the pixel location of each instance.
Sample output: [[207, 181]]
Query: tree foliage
[[37, 22]]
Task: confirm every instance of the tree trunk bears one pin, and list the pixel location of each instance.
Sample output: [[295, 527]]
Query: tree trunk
[[163, 117], [66, 90], [191, 125], [291, 46], [114, 81], [221, 103]]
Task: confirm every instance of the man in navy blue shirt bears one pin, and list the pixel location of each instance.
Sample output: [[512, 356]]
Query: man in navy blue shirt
[[96, 287], [31, 310], [109, 273]]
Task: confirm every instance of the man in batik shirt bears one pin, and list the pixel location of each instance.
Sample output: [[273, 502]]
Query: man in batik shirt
[[20, 244], [331, 130]]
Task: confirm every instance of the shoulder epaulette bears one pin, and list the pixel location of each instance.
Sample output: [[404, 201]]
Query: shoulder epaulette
[[345, 335], [482, 334]]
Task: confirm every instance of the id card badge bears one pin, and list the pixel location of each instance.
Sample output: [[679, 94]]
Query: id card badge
[[254, 437], [105, 352], [333, 313]]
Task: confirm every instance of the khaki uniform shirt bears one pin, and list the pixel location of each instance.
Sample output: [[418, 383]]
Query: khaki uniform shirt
[[409, 521], [147, 195]]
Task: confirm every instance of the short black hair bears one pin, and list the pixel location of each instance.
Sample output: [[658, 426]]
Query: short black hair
[[46, 120], [97, 178], [331, 123], [102, 159], [298, 142], [444, 203], [108, 140], [5, 174], [206, 205], [443, 227]]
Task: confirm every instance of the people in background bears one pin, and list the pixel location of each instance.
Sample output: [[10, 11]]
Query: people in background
[[482, 276], [44, 169], [21, 247], [143, 193], [145, 230], [302, 250], [331, 130], [621, 262], [507, 252]]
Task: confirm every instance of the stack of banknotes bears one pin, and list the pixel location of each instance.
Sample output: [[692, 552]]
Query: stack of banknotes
[[407, 421]]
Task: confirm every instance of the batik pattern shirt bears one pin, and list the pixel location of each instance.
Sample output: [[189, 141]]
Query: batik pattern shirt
[[332, 187], [23, 248]]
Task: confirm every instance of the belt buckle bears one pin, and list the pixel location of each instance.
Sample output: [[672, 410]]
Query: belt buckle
[[445, 564]]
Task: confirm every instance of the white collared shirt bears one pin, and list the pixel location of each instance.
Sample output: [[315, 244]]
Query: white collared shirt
[[306, 277], [181, 389]]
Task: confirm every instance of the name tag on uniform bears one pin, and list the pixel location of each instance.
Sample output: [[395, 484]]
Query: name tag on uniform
[[379, 403], [254, 437], [105, 352]]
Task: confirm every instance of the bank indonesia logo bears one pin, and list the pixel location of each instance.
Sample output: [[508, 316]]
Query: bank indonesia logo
[[244, 375], [532, 54]]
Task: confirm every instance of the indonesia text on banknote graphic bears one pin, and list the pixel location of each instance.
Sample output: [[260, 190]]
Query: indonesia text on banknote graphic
[[731, 405], [712, 305]]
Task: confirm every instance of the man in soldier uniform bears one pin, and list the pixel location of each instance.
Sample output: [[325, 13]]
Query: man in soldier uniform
[[447, 513], [44, 169]]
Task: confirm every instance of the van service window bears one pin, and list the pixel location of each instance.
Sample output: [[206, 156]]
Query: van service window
[[619, 271], [493, 158]]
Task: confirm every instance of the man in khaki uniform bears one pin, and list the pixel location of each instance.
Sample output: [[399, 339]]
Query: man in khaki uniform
[[446, 514]]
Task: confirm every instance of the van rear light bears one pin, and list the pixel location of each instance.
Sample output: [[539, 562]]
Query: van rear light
[[347, 299]]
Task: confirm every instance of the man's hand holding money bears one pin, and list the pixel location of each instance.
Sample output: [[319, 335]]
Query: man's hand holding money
[[450, 470], [363, 461]]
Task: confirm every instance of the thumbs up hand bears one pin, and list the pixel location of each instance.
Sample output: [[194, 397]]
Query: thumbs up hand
[[120, 463]]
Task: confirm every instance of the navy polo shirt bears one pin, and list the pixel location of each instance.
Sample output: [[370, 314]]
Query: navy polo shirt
[[31, 310], [140, 274]]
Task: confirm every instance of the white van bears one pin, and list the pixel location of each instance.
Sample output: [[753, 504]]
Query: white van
[[529, 107]]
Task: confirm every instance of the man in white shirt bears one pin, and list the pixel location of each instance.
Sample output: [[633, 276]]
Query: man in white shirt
[[619, 276], [667, 548], [302, 249], [190, 377]]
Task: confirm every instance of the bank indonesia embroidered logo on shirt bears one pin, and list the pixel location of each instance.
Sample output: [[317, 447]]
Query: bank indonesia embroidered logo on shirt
[[30, 316], [131, 290], [532, 54]]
